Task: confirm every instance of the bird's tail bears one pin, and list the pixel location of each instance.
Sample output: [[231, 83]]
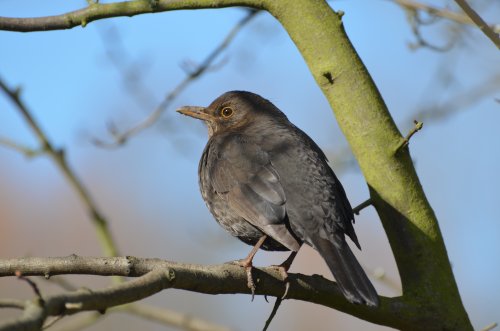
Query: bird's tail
[[348, 273]]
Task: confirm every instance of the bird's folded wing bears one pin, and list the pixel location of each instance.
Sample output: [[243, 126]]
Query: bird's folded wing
[[245, 177]]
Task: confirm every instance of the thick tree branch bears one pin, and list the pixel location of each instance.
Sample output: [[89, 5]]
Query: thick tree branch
[[168, 317], [407, 217], [36, 312], [214, 279], [99, 11]]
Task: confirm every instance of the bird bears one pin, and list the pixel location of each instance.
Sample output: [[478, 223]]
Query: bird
[[268, 183]]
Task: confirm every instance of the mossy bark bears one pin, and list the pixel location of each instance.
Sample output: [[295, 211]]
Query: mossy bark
[[396, 192]]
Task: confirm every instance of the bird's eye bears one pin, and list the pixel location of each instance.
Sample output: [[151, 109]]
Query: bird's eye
[[226, 112]]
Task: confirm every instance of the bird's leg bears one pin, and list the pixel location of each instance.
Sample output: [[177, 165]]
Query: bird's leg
[[247, 264], [283, 270]]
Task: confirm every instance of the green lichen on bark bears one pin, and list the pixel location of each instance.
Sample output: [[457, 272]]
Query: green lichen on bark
[[395, 189]]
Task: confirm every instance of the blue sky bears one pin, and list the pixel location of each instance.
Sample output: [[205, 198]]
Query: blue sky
[[148, 188]]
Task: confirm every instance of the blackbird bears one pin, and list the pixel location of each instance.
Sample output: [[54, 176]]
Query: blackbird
[[267, 182]]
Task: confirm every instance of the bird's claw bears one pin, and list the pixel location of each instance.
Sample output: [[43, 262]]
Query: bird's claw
[[248, 270], [284, 274], [250, 282]]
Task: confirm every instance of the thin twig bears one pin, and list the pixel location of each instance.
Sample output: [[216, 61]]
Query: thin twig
[[362, 206], [436, 11], [461, 100], [26, 151], [132, 73], [31, 283], [490, 327], [120, 138], [59, 157], [12, 303], [406, 140], [77, 324], [478, 20], [171, 318], [273, 313], [415, 23], [62, 282], [53, 321]]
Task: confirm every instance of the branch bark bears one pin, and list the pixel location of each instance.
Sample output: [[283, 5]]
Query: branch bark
[[161, 274], [97, 11], [481, 24], [36, 311], [430, 296], [395, 190]]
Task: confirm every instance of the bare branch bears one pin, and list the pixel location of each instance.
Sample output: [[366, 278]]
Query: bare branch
[[459, 101], [416, 22], [171, 318], [277, 304], [436, 11], [81, 323], [406, 140], [28, 152], [98, 11], [362, 206], [192, 75], [12, 303], [59, 157], [214, 279], [490, 327], [481, 24], [31, 283], [85, 300]]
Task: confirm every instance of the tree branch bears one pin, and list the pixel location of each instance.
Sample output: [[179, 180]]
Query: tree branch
[[171, 318], [99, 11], [59, 157], [120, 138], [12, 303], [481, 24], [408, 219], [406, 140], [36, 312], [356, 210], [436, 11], [213, 279]]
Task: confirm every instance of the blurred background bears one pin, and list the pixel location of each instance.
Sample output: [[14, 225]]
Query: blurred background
[[82, 82]]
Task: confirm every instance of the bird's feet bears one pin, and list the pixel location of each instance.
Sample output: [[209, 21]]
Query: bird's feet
[[283, 270], [284, 275], [247, 264]]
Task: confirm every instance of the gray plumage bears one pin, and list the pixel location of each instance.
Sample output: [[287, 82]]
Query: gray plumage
[[259, 174]]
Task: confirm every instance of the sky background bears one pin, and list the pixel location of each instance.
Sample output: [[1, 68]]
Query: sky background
[[148, 188]]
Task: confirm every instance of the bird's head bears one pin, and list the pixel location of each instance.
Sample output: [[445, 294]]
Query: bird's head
[[234, 111]]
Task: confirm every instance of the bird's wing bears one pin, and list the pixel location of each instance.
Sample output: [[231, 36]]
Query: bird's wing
[[242, 174]]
